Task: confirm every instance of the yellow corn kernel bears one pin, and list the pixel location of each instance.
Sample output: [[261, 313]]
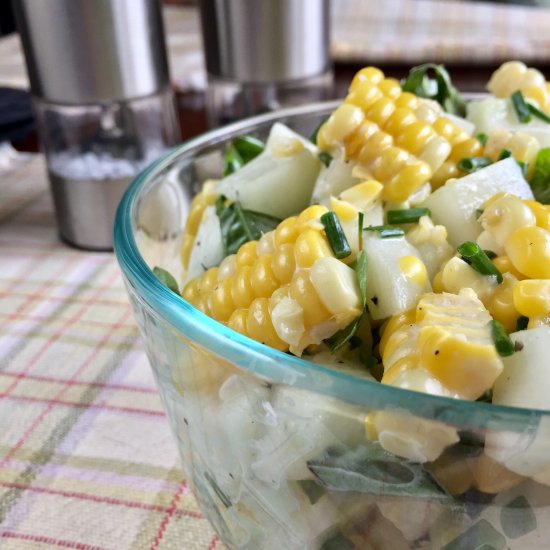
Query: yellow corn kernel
[[259, 325], [364, 194], [532, 297], [416, 136], [262, 278], [406, 99], [529, 251], [501, 304], [309, 247], [381, 111], [394, 324], [437, 283], [400, 119], [390, 87], [409, 179], [389, 163], [247, 253], [541, 212], [536, 94], [303, 291], [504, 265], [355, 141], [507, 78], [373, 147], [342, 122], [364, 94], [241, 287], [370, 74], [283, 263], [228, 267], [221, 300], [414, 269], [203, 303], [470, 147], [445, 128], [435, 152], [266, 244], [208, 280], [445, 172], [343, 209], [406, 363], [237, 321], [286, 231], [191, 290], [310, 214]]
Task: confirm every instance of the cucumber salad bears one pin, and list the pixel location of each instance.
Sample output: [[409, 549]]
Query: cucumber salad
[[405, 241]]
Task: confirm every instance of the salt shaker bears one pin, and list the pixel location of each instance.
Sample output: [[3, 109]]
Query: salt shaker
[[262, 55], [99, 77]]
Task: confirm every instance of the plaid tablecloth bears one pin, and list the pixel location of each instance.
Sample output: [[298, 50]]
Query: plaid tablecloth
[[86, 457]]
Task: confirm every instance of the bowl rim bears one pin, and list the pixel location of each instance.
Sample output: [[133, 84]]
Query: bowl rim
[[264, 361]]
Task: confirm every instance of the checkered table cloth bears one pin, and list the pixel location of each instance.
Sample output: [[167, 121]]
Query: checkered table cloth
[[86, 457]]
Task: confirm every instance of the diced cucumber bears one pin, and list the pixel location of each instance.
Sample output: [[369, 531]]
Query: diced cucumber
[[279, 181], [454, 205], [389, 290]]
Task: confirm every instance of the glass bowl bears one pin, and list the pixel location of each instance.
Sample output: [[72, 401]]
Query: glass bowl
[[277, 449]]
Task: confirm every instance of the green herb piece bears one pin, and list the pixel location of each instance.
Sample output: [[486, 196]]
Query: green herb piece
[[385, 231], [339, 339], [490, 254], [503, 342], [410, 215], [325, 158], [338, 542], [480, 535], [232, 161], [335, 235], [473, 164], [368, 360], [504, 154], [360, 218], [361, 271], [248, 147], [524, 167], [472, 254], [540, 182], [521, 107], [167, 279], [538, 113], [517, 518], [439, 88], [370, 469], [521, 323], [239, 226], [486, 397], [482, 138], [313, 137], [478, 212], [312, 490]]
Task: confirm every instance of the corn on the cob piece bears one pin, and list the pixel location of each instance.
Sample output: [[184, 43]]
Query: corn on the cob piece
[[206, 197], [515, 75], [287, 290], [449, 339]]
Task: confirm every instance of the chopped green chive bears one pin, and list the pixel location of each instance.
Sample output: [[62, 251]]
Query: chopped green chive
[[482, 138], [472, 254], [410, 215], [248, 147], [167, 279], [473, 164], [335, 235], [385, 231], [325, 158], [521, 323], [478, 212], [503, 343], [538, 113], [521, 107], [504, 154], [232, 161], [490, 254], [361, 272], [360, 218], [524, 167], [313, 137]]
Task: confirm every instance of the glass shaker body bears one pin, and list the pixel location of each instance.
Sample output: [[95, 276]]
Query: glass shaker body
[[93, 151]]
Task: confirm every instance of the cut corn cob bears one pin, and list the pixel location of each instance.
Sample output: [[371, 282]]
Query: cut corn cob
[[448, 338], [287, 290], [515, 75]]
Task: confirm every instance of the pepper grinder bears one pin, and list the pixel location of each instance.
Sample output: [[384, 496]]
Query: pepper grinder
[[262, 55], [99, 78]]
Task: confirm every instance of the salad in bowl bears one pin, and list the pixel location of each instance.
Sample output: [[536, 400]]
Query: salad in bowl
[[349, 320]]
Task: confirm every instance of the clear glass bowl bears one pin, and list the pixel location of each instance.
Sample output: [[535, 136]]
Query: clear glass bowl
[[276, 449]]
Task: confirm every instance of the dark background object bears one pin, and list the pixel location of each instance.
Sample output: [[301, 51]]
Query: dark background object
[[7, 21], [16, 114]]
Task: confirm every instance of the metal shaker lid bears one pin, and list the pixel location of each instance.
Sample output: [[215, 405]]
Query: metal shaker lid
[[265, 40], [88, 51]]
